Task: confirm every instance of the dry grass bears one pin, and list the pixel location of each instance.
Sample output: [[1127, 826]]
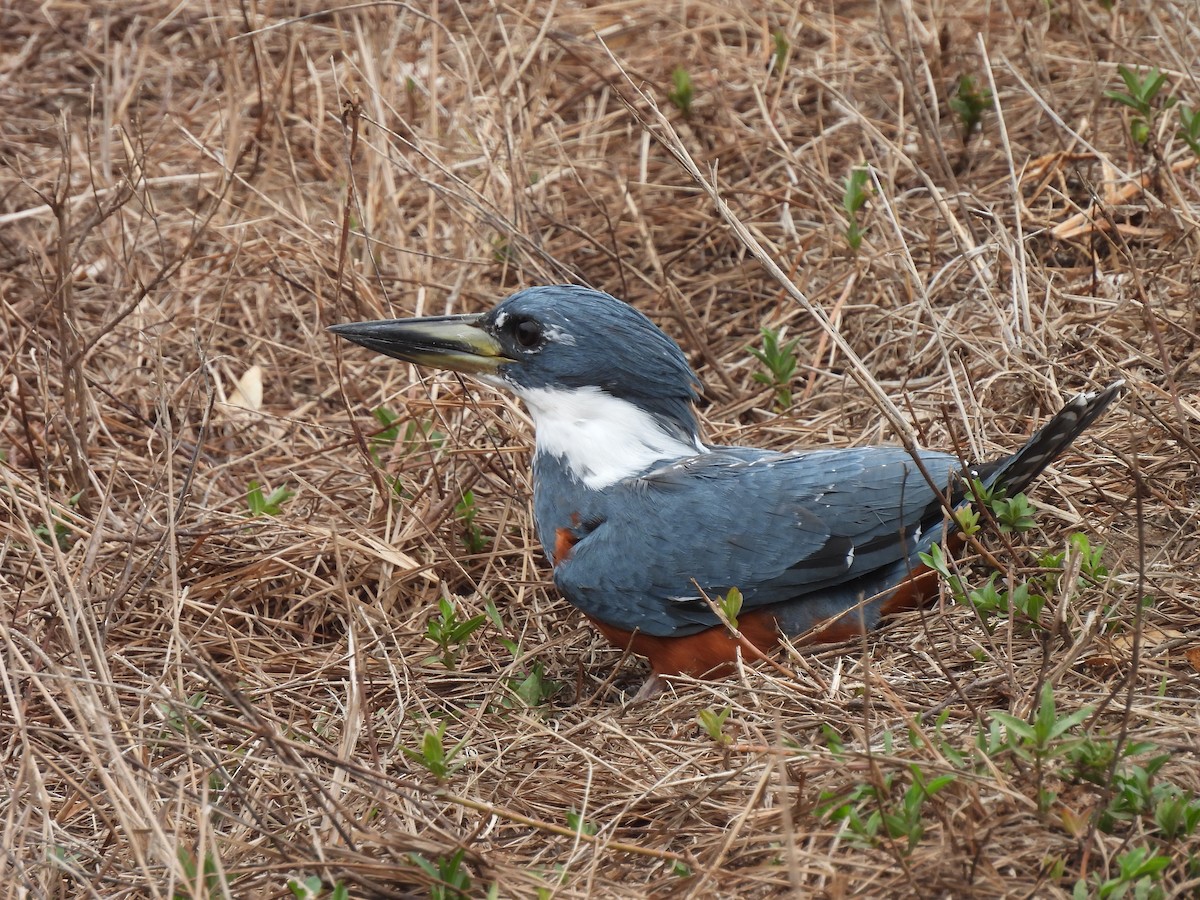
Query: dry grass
[[189, 191]]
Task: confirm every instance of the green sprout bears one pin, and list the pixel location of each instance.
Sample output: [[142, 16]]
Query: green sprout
[[449, 632], [713, 723], [682, 93], [451, 879], [433, 754], [473, 538], [260, 504], [731, 606], [1140, 95], [1042, 739], [779, 54], [969, 103], [579, 824], [779, 360], [1189, 133], [200, 883], [532, 687], [386, 437], [313, 888], [854, 198], [1138, 868]]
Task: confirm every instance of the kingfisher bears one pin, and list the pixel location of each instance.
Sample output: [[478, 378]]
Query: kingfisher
[[646, 525]]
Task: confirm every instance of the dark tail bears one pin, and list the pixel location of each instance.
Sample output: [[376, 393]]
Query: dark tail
[[1017, 471]]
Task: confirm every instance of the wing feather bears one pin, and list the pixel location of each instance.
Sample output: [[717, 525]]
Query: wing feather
[[779, 527]]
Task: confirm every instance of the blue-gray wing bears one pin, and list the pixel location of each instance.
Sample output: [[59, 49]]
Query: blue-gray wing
[[809, 530]]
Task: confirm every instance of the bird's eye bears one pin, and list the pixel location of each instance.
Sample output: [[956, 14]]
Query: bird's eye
[[528, 333]]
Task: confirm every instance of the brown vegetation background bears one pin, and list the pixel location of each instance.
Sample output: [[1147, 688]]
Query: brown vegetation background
[[196, 701]]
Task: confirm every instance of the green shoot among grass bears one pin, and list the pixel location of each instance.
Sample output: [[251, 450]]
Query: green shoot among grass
[[731, 606], [1137, 868], [682, 93], [260, 504], [472, 537], [1189, 130], [579, 824], [532, 688], [779, 54], [1141, 95], [969, 103], [713, 723], [854, 198], [780, 362], [1042, 739], [200, 884], [448, 632], [434, 756], [313, 888], [452, 881]]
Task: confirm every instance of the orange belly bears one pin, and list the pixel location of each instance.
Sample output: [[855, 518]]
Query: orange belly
[[712, 652]]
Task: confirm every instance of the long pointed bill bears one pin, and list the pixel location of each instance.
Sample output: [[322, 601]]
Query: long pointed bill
[[442, 342]]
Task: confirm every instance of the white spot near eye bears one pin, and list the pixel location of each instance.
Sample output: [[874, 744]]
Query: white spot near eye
[[501, 318], [602, 438], [556, 334]]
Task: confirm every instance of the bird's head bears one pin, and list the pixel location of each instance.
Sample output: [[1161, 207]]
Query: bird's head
[[581, 360]]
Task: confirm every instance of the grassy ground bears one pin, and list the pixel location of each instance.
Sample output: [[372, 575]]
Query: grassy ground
[[209, 688]]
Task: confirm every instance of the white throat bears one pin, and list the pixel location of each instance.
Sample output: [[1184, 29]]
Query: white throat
[[602, 438]]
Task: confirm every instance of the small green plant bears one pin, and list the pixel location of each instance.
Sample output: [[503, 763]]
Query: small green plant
[[780, 361], [449, 632], [1138, 869], [854, 198], [1189, 131], [1135, 793], [713, 723], [493, 615], [780, 53], [260, 504], [60, 533], [1092, 760], [383, 439], [181, 721], [682, 92], [1014, 514], [936, 559], [452, 880], [1091, 563], [857, 810], [533, 688], [579, 824], [1026, 599], [419, 434], [472, 537], [904, 820], [200, 885], [1141, 95], [1177, 814], [1042, 739], [867, 811], [313, 888], [434, 756], [731, 606], [969, 103], [503, 251]]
